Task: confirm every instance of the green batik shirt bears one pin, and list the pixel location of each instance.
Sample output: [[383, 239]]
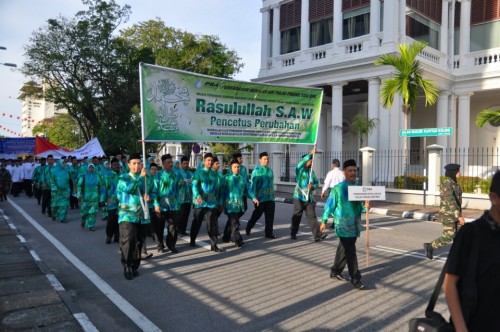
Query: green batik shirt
[[346, 214], [263, 183], [185, 189], [110, 182], [45, 177], [36, 176], [168, 191], [302, 177], [235, 189], [129, 187], [206, 184]]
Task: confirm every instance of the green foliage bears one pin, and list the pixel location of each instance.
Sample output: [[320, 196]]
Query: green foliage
[[487, 116], [485, 185], [363, 127], [413, 182], [469, 184], [62, 130]]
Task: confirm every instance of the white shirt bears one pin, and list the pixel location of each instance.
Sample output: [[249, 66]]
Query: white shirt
[[28, 170], [333, 178], [17, 174]]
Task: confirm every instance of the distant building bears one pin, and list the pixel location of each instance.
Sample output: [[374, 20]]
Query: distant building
[[35, 109], [333, 45]]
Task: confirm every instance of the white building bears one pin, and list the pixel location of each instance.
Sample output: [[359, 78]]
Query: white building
[[35, 109], [333, 45]]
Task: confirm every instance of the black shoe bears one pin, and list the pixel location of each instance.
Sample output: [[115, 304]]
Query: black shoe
[[214, 248], [173, 250], [321, 238], [271, 237], [428, 250], [135, 273], [358, 285], [49, 215], [115, 240], [293, 237], [53, 218], [108, 240], [128, 273], [183, 233], [226, 240], [161, 250], [82, 224], [240, 244], [43, 212], [338, 276], [146, 256], [247, 231], [91, 229], [192, 243]]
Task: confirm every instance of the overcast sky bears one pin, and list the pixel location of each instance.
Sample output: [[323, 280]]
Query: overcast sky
[[236, 22]]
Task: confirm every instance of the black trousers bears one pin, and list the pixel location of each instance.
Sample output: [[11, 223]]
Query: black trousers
[[157, 228], [170, 219], [298, 209], [17, 187], [184, 211], [266, 208], [233, 227], [28, 187], [46, 199], [112, 224], [212, 224], [38, 194], [132, 238], [346, 254]]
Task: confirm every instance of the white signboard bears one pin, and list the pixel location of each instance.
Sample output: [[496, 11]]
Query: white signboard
[[366, 193]]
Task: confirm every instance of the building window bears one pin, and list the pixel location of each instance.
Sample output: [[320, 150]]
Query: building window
[[485, 36], [321, 32], [356, 23], [290, 20], [290, 40], [421, 28]]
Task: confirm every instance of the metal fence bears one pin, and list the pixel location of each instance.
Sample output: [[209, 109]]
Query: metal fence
[[394, 169]]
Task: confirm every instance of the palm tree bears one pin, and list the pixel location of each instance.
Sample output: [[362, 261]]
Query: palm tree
[[488, 116], [407, 82], [363, 127]]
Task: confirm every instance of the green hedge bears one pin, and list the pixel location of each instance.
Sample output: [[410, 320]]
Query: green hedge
[[469, 184], [414, 182]]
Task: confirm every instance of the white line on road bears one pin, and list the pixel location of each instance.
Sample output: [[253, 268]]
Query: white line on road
[[85, 323], [130, 311], [55, 283], [406, 253], [21, 238], [35, 255]]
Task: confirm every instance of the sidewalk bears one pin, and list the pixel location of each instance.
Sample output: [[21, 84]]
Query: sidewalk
[[28, 297], [407, 211]]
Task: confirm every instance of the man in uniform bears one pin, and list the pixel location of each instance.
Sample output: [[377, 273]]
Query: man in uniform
[[46, 186], [185, 194]]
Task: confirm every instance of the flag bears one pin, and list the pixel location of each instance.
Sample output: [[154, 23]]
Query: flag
[[43, 148]]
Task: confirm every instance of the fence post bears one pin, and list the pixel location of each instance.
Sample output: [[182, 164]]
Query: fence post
[[220, 156], [276, 162], [434, 152], [366, 165], [318, 164]]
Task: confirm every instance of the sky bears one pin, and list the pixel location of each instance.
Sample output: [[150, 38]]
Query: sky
[[237, 23]]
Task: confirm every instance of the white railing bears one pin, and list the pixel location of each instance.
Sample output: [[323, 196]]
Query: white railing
[[320, 52], [487, 57], [355, 45]]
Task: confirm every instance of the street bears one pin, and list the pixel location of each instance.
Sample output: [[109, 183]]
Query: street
[[268, 285]]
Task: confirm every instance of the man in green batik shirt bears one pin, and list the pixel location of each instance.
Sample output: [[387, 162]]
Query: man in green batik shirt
[[185, 194], [235, 189], [303, 198], [45, 184], [263, 188], [347, 217], [111, 182], [36, 177], [206, 197], [133, 218]]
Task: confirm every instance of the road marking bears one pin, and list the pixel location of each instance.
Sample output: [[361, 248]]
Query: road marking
[[380, 227], [85, 323], [129, 310], [407, 253], [55, 283], [35, 255], [21, 238]]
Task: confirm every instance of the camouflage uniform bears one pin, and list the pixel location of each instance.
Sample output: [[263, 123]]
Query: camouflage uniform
[[449, 212]]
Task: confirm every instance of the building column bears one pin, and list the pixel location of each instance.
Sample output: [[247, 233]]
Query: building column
[[452, 120], [401, 34], [463, 130], [390, 24], [337, 115], [276, 31], [465, 10], [374, 109], [337, 25], [304, 25], [264, 38], [443, 42], [442, 117], [374, 23]]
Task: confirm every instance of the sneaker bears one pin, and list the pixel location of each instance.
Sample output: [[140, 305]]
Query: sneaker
[[358, 285], [338, 276], [293, 237]]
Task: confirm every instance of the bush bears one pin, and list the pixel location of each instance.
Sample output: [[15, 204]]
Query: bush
[[469, 184], [413, 182], [485, 185]]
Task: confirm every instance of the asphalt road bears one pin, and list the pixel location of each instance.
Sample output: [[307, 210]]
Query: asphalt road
[[268, 285]]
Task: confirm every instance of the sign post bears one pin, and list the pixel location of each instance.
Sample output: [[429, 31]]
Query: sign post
[[366, 193]]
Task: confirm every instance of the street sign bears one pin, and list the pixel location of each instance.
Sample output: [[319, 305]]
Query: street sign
[[425, 132], [196, 148], [366, 193]]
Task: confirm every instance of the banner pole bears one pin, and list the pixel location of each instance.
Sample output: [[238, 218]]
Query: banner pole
[[145, 206]]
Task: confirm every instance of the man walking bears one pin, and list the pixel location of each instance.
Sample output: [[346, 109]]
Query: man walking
[[46, 184], [263, 188], [333, 178], [185, 194]]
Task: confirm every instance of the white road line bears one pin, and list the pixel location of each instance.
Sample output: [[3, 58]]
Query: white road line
[[85, 323], [11, 225], [55, 283], [135, 315], [380, 227], [21, 238], [35, 255], [407, 253]]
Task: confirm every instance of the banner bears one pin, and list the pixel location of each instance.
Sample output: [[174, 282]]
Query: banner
[[43, 148], [179, 106], [14, 146]]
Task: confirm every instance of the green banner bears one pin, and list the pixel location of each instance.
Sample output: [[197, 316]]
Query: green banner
[[179, 106]]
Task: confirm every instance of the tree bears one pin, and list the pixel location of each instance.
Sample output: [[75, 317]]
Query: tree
[[407, 82], [61, 130], [363, 127], [488, 116], [89, 71], [202, 54]]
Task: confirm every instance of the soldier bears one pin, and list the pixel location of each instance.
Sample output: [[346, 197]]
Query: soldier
[[450, 211], [263, 188], [303, 198]]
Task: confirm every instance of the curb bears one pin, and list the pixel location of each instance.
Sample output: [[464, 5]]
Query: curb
[[383, 212]]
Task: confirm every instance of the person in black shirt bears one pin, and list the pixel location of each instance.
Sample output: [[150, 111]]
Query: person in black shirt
[[485, 232]]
